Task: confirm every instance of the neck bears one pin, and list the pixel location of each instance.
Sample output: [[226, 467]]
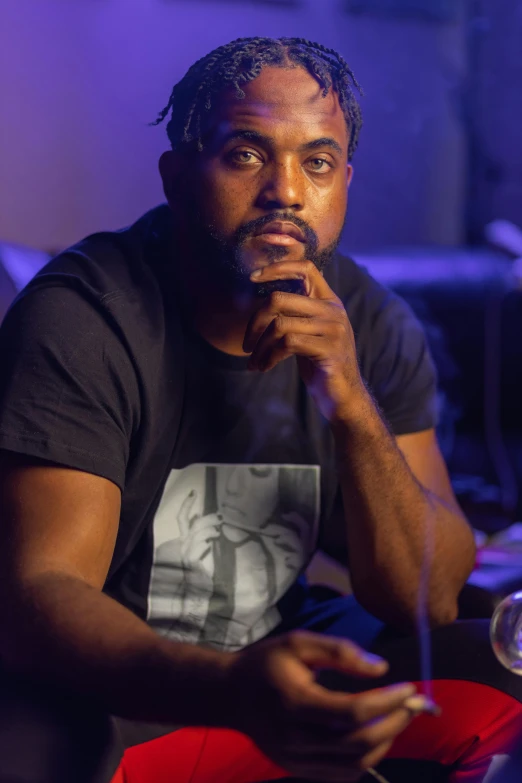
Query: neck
[[220, 315]]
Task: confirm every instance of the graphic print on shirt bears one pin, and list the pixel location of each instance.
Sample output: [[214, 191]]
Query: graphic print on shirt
[[229, 541]]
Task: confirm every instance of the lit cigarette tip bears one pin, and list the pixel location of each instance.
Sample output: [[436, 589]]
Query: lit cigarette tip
[[422, 704]]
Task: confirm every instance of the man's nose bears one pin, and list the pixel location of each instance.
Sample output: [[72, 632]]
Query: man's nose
[[282, 188]]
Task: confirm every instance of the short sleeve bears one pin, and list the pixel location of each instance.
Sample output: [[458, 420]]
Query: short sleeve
[[68, 389], [401, 373]]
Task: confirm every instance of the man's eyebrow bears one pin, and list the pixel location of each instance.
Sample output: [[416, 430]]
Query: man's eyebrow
[[268, 141], [248, 135], [326, 141]]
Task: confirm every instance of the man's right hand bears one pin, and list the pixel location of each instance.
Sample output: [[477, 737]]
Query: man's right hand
[[308, 730]]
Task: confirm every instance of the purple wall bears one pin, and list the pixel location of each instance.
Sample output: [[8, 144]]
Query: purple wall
[[496, 113], [80, 80]]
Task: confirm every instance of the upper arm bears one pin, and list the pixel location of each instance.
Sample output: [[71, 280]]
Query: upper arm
[[55, 519], [68, 408], [68, 389], [399, 369]]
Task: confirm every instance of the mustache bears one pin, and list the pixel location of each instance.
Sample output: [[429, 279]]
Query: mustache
[[246, 230]]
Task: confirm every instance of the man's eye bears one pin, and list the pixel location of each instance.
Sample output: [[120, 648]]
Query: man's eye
[[243, 156], [319, 164]]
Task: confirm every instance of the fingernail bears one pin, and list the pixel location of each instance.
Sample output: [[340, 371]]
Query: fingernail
[[257, 273], [406, 689], [374, 659]]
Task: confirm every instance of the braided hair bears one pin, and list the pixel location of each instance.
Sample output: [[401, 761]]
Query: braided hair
[[240, 62]]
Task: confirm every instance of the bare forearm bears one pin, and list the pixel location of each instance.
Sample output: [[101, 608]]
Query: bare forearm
[[60, 630], [395, 526]]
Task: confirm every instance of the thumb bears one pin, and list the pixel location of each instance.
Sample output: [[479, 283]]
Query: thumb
[[326, 652]]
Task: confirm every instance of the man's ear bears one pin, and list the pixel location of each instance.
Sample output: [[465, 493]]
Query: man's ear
[[349, 175], [171, 171]]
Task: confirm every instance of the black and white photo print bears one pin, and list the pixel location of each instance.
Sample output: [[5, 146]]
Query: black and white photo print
[[229, 541]]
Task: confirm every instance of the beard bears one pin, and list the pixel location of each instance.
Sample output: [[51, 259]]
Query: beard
[[227, 258]]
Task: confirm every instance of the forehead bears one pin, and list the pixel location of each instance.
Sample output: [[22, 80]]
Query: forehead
[[284, 101]]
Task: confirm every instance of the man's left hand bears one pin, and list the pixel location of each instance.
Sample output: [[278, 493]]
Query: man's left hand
[[314, 328]]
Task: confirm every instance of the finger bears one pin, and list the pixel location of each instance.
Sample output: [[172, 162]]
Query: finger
[[348, 711], [317, 348], [207, 525], [327, 652], [377, 732], [203, 537], [200, 552], [203, 543], [355, 743], [369, 705], [185, 509], [375, 757], [275, 338], [314, 282], [291, 305]]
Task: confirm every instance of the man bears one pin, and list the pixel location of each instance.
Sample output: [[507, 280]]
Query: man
[[223, 330]]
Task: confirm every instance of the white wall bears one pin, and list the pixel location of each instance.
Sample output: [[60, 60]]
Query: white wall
[[80, 80]]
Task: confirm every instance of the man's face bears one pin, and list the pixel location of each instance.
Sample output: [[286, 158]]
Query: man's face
[[274, 162]]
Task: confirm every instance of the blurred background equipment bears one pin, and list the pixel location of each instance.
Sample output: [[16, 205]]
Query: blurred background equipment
[[18, 265]]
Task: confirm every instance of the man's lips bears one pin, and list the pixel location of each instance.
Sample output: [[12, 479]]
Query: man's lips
[[280, 232]]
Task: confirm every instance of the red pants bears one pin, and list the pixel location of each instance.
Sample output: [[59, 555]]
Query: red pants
[[477, 722]]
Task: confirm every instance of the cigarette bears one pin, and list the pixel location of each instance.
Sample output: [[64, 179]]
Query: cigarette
[[422, 704]]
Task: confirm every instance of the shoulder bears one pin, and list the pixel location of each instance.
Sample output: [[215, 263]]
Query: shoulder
[[374, 310], [362, 295], [392, 348], [110, 262], [113, 278], [99, 304]]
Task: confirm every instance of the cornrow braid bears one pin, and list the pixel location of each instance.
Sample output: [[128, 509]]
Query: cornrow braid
[[241, 61]]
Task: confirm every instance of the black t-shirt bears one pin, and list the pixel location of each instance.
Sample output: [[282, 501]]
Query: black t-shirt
[[228, 477]]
